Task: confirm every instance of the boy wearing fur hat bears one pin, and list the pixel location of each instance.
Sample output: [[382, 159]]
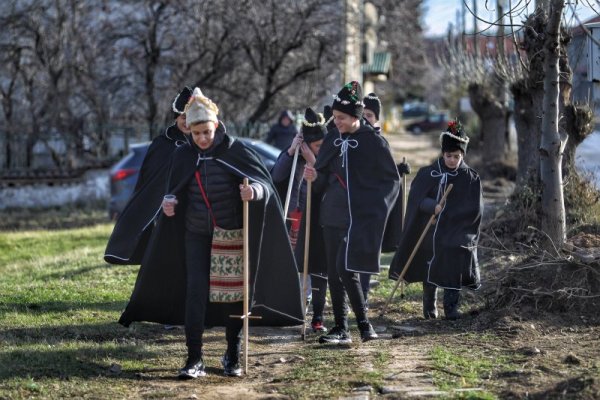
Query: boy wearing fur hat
[[149, 190], [309, 142], [447, 258], [175, 284], [372, 110], [356, 178]]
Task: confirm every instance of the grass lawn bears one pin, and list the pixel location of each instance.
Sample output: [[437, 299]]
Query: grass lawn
[[59, 303]]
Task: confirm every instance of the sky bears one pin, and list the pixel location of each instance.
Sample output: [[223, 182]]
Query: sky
[[439, 13]]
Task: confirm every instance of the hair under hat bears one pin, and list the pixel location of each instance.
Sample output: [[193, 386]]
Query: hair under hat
[[454, 137], [349, 100], [328, 114], [313, 126], [373, 103], [200, 109]]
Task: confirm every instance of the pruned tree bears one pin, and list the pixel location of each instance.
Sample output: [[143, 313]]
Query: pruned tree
[[544, 116]]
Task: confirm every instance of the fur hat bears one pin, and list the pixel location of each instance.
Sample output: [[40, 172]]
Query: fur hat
[[373, 103], [180, 101], [200, 109], [313, 126], [349, 100], [454, 138]]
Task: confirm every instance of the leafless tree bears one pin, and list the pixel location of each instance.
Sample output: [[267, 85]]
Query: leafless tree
[[287, 47], [542, 101], [401, 33]]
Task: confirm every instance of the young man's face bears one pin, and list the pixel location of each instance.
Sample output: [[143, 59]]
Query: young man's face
[[180, 121], [203, 134], [452, 159], [315, 146], [370, 116], [285, 121], [345, 123]]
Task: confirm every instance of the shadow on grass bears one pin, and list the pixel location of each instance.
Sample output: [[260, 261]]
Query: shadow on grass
[[60, 306], [83, 362], [70, 274]]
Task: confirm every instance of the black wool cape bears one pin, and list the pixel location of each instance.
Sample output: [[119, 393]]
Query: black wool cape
[[133, 227], [159, 292], [455, 234], [372, 182]]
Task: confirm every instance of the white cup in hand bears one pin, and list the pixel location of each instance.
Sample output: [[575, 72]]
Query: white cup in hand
[[168, 205]]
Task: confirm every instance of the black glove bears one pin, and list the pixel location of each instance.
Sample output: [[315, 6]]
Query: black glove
[[403, 168]]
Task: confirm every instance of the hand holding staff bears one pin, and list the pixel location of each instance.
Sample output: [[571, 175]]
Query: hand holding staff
[[414, 252]]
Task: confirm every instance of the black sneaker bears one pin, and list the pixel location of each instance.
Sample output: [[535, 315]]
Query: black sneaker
[[231, 367], [337, 335], [367, 332], [192, 370]]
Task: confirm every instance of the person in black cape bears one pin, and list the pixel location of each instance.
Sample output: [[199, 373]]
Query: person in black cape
[[447, 257], [358, 183], [393, 227], [309, 141], [172, 286], [132, 231]]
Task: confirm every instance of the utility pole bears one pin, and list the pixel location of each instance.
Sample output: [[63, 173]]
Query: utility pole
[[475, 40], [463, 26]]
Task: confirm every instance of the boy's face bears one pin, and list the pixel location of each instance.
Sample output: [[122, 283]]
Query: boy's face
[[345, 123], [370, 116], [452, 159], [203, 134], [315, 146], [181, 123]]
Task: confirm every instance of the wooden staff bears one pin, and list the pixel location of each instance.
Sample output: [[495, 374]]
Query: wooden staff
[[404, 194], [306, 249], [246, 280], [289, 189], [404, 202], [412, 255], [246, 255]]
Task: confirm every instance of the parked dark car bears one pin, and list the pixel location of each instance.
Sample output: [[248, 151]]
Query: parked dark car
[[124, 174], [434, 121]]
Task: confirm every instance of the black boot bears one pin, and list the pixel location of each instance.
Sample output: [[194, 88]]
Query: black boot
[[194, 366], [366, 296], [451, 299], [231, 359], [366, 331], [429, 300]]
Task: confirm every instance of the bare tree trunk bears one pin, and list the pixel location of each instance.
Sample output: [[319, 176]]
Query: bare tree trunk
[[492, 114], [552, 143], [528, 101]]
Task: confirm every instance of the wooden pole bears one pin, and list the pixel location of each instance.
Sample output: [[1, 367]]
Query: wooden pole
[[291, 184], [414, 252], [246, 320], [246, 275], [404, 201], [404, 194], [306, 252]]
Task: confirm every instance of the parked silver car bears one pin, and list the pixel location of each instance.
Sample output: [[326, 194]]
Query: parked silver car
[[124, 174]]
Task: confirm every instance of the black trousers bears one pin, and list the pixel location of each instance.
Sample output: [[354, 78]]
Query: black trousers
[[197, 259], [319, 294], [342, 282]]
